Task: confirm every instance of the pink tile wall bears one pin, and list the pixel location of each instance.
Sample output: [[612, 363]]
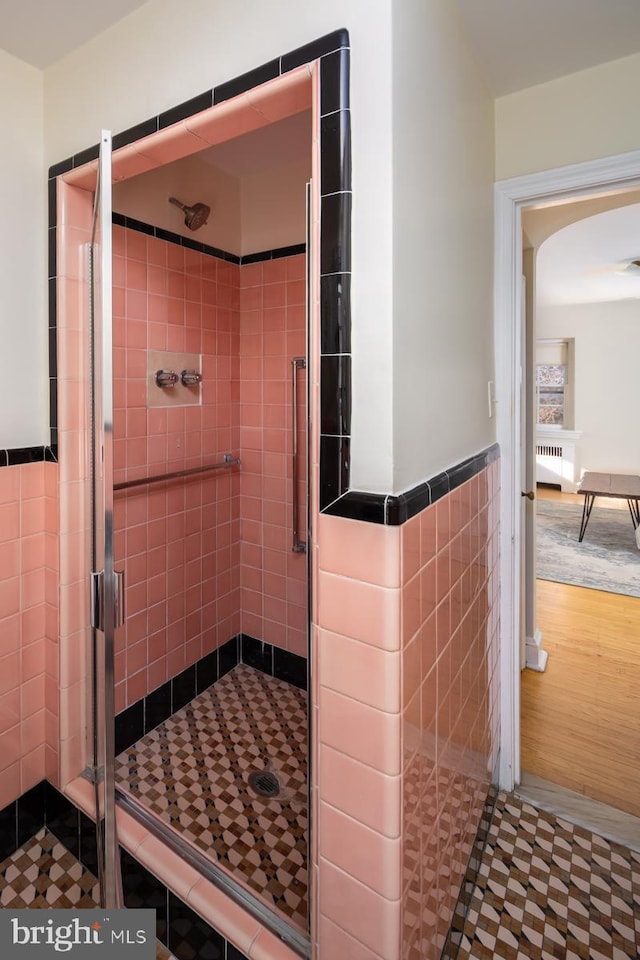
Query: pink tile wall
[[179, 541], [272, 331], [405, 720], [28, 627], [449, 624], [208, 557]]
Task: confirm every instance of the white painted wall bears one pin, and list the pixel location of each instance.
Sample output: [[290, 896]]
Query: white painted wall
[[273, 207], [442, 244], [261, 211], [582, 116], [192, 181], [168, 51], [24, 402], [607, 347]]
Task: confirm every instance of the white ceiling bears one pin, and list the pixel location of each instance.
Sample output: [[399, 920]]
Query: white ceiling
[[585, 262], [275, 145], [518, 42], [43, 31]]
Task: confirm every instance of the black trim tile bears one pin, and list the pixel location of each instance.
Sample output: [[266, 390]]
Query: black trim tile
[[462, 472], [280, 252], [189, 936], [193, 244], [395, 510], [31, 812], [86, 156], [63, 167], [256, 653], [186, 109], [335, 152], [206, 671], [314, 49], [52, 194], [4, 458], [439, 486], [228, 656], [358, 505], [52, 253], [168, 235], [290, 667], [118, 219], [9, 830], [140, 226], [253, 78], [418, 498], [335, 234], [183, 688], [334, 468], [62, 819], [157, 706], [334, 82], [129, 726], [137, 132], [53, 352], [234, 954], [221, 254], [144, 891], [51, 452], [88, 855], [335, 313], [19, 455], [335, 395], [53, 302], [53, 403]]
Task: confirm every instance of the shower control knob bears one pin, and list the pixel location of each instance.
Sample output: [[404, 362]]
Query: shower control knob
[[166, 378], [190, 378]]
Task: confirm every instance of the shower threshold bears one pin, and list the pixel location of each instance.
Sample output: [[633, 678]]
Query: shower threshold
[[223, 783]]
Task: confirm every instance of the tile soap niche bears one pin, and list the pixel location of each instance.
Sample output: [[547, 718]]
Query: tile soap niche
[[173, 379]]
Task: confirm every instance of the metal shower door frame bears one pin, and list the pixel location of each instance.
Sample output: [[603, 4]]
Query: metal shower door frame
[[106, 585]]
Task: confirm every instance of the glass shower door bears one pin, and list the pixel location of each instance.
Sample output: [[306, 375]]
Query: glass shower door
[[106, 584]]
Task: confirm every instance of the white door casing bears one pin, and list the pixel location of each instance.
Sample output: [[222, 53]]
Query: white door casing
[[511, 196]]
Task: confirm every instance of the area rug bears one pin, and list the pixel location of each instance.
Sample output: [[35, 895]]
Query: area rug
[[607, 559]]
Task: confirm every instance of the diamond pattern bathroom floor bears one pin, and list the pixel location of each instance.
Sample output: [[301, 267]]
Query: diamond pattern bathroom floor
[[192, 772], [43, 874], [549, 889]]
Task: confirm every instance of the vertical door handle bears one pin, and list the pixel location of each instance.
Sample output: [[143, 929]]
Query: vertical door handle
[[298, 363], [97, 599]]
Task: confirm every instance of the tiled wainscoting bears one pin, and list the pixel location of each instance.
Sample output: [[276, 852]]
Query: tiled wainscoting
[[28, 625], [406, 718]]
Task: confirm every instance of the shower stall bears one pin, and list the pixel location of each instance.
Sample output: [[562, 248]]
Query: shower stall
[[184, 497]]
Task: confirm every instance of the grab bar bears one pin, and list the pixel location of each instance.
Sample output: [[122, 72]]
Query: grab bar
[[298, 363], [229, 461]]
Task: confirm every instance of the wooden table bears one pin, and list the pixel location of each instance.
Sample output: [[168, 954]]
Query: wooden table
[[619, 486]]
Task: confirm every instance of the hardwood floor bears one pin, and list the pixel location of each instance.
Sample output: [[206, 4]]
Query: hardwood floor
[[580, 720]]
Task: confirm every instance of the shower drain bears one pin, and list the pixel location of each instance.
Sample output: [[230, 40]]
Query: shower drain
[[264, 782]]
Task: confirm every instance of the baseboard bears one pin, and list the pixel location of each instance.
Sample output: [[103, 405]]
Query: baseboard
[[535, 656]]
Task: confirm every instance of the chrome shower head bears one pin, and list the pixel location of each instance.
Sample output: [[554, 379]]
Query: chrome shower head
[[195, 216]]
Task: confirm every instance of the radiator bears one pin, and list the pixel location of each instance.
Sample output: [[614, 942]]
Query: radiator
[[555, 463]]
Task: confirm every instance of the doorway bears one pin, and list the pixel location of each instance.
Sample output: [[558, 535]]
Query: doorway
[[203, 406], [577, 730], [513, 197]]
